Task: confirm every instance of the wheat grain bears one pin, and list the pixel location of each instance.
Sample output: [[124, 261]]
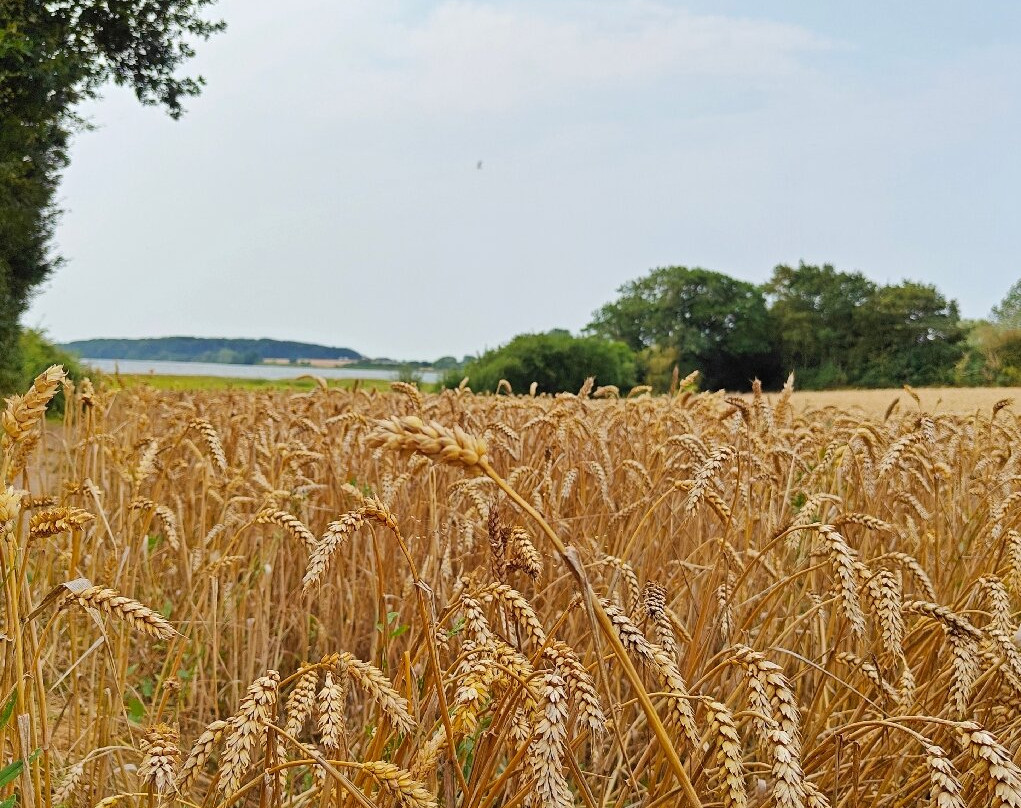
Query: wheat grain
[[302, 699], [160, 758], [64, 794], [374, 682], [246, 728], [545, 754], [884, 593], [946, 787], [200, 752], [213, 443], [406, 789], [581, 689], [845, 567], [519, 609], [729, 756], [411, 434], [58, 520], [135, 614], [330, 705], [294, 526], [23, 413], [993, 761]]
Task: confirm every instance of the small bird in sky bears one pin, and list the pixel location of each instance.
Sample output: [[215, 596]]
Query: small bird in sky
[[478, 166]]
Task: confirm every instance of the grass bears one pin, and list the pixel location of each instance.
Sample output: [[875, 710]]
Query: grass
[[215, 383], [338, 597]]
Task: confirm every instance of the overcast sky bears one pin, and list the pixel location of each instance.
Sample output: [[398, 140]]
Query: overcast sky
[[326, 187]]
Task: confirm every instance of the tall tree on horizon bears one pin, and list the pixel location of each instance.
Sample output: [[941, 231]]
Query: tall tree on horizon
[[54, 55], [703, 320]]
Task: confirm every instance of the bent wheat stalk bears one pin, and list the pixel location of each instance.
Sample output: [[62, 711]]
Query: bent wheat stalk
[[411, 434]]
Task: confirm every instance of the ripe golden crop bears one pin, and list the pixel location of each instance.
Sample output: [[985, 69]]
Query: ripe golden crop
[[412, 599]]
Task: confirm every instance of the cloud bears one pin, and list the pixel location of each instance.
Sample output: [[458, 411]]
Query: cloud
[[464, 58]]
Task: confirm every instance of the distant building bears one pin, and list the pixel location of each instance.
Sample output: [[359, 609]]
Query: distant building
[[314, 363]]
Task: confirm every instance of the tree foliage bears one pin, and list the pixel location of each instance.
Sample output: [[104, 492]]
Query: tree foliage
[[839, 328], [816, 310], [993, 353], [53, 55], [831, 328], [556, 361], [1007, 314], [703, 320], [908, 333]]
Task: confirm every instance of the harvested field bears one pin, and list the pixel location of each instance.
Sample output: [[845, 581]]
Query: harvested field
[[360, 598], [933, 399]]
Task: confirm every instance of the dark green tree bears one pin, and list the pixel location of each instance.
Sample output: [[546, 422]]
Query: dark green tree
[[54, 54], [815, 311], [701, 320], [556, 361], [908, 333], [839, 328]]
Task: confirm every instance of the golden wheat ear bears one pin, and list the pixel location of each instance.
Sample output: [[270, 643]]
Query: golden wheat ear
[[23, 412], [407, 791], [81, 592], [55, 521], [410, 433], [160, 759]]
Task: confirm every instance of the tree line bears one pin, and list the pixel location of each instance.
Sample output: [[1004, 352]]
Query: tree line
[[829, 327], [206, 349], [55, 54]]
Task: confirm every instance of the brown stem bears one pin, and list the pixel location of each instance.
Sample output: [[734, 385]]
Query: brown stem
[[570, 557]]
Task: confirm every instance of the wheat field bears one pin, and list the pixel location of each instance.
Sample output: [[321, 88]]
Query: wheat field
[[367, 598]]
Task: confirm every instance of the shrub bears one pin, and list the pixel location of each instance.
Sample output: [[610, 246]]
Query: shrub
[[37, 354], [556, 361]]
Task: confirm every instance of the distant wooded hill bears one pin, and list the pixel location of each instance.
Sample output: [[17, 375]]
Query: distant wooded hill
[[203, 349]]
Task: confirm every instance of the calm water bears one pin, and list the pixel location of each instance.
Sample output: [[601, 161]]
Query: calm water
[[160, 368]]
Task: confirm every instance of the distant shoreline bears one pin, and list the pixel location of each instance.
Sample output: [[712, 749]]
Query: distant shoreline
[[159, 367]]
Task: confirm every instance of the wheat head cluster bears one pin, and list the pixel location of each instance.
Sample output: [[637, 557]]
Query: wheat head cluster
[[363, 598]]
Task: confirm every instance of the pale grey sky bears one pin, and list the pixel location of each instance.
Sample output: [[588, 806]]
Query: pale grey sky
[[325, 186]]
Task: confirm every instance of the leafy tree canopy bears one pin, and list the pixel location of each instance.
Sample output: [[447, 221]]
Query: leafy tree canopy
[[53, 55], [710, 322], [908, 333], [815, 309], [555, 360], [839, 328]]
